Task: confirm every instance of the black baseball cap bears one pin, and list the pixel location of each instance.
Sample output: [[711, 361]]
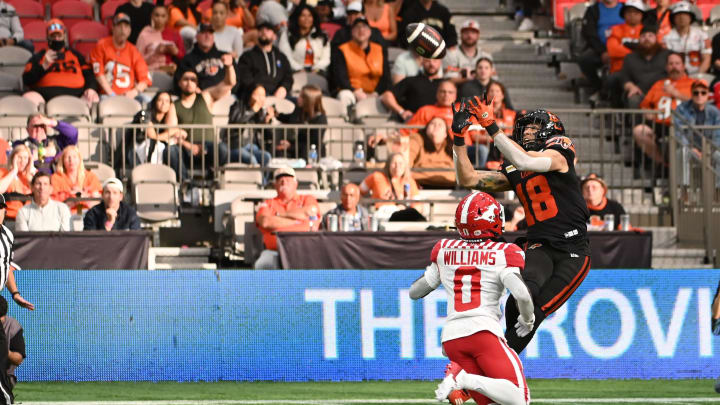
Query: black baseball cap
[[359, 20], [265, 24], [204, 27]]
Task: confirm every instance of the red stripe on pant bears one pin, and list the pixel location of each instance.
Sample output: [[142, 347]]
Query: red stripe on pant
[[558, 300]]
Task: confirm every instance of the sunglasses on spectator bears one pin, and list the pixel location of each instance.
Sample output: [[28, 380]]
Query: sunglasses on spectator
[[190, 79], [700, 93]]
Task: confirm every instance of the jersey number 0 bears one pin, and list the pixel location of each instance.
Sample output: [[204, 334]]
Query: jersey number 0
[[467, 288], [542, 201]]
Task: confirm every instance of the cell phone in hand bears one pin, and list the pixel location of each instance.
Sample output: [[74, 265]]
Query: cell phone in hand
[[61, 55]]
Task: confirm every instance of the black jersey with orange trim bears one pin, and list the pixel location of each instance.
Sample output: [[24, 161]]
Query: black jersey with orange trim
[[555, 210], [71, 75]]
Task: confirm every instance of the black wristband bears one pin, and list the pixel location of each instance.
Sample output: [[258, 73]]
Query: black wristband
[[15, 293], [459, 140], [492, 129]]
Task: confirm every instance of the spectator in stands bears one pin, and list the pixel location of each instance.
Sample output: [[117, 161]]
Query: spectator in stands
[[11, 31], [344, 34], [659, 17], [716, 63], [140, 13], [433, 14], [641, 69], [72, 180], [273, 13], [161, 111], [228, 39], [306, 46], [594, 191], [42, 147], [59, 70], [194, 107], [205, 59], [431, 149], [406, 64], [484, 72], [479, 142], [394, 182], [623, 38], [360, 67], [309, 110], [382, 15], [517, 221], [16, 179], [329, 24], [112, 214], [445, 96], [688, 40], [250, 109], [597, 21], [664, 94], [460, 63], [289, 211], [43, 213], [118, 66], [266, 64], [238, 16], [15, 341], [349, 199], [698, 111], [411, 93], [184, 18], [160, 46]]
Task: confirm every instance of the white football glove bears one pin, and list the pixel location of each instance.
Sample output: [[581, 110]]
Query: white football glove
[[524, 327]]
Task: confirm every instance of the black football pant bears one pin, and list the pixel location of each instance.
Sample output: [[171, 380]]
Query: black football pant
[[552, 276], [6, 395]]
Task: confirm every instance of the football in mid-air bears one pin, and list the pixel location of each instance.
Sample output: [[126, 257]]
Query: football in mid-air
[[425, 40]]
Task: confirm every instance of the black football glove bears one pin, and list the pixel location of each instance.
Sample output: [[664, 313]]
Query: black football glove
[[715, 326], [461, 118]]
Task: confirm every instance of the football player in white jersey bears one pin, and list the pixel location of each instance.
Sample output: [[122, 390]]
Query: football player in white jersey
[[475, 271]]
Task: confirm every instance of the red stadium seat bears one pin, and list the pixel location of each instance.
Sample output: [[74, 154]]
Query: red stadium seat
[[705, 6], [85, 34], [204, 5], [35, 31], [71, 12], [28, 10], [108, 10]]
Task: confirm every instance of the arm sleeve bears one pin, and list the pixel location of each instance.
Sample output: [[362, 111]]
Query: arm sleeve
[[33, 69], [97, 60], [512, 281], [238, 42], [520, 158], [68, 134], [340, 78], [564, 146], [432, 275], [134, 219], [17, 30], [515, 256]]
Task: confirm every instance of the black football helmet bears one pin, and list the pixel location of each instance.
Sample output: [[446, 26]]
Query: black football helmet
[[550, 126]]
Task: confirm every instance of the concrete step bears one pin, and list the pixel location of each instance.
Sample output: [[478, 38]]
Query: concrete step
[[181, 259], [472, 6], [164, 258], [486, 22], [664, 237], [185, 266], [676, 258]]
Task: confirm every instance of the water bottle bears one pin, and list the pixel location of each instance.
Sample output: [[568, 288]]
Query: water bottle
[[312, 155], [359, 155], [406, 189]]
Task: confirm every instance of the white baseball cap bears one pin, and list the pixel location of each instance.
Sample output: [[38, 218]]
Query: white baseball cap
[[113, 182], [355, 6], [470, 25]]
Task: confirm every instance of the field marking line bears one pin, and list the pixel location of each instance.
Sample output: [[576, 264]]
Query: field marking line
[[384, 401]]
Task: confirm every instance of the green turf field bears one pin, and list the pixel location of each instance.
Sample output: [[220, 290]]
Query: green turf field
[[597, 392]]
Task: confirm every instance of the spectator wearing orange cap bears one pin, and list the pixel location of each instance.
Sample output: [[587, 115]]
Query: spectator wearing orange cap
[[59, 70], [594, 191]]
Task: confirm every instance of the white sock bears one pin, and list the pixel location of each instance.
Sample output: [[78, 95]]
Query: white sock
[[499, 390]]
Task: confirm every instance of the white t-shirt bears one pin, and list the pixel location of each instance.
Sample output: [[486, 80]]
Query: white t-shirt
[[456, 60], [695, 44], [472, 274], [230, 40]]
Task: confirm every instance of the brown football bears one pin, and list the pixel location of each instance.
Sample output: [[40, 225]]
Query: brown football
[[425, 40]]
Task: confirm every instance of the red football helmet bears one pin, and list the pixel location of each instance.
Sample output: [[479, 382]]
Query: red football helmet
[[479, 216]]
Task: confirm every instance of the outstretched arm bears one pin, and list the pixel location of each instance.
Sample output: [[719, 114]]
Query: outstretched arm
[[420, 288]]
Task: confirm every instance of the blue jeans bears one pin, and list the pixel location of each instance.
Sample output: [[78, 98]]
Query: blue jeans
[[182, 168], [250, 154]]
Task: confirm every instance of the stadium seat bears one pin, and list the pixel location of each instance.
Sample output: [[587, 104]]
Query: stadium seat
[[28, 11], [101, 170], [35, 32], [68, 107], [302, 78], [117, 110], [107, 11], [283, 106], [161, 81], [371, 111], [330, 28], [714, 18], [85, 34], [706, 7], [238, 176], [340, 142], [308, 179], [204, 5], [155, 193], [14, 111], [71, 12], [221, 109], [334, 110], [13, 59], [10, 84]]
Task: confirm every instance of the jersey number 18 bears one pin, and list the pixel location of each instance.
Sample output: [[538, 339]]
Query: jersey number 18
[[542, 201]]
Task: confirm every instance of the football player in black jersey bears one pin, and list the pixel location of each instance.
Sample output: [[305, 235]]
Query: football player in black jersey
[[539, 168]]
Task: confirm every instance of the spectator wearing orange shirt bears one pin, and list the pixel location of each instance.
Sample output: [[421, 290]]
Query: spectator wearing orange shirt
[[238, 16], [117, 64], [432, 149], [184, 18], [660, 17], [394, 182], [381, 15], [623, 38], [664, 95], [17, 178], [445, 96], [289, 212], [72, 180]]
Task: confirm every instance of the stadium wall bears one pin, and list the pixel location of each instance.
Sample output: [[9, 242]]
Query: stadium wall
[[342, 325]]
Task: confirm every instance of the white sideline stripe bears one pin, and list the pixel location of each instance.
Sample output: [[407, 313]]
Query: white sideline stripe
[[384, 401]]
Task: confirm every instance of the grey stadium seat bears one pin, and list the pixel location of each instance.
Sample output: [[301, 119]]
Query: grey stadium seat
[[155, 193]]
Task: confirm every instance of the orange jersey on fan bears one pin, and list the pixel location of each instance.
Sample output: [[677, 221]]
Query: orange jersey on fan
[[620, 35], [122, 68], [276, 206], [67, 72], [426, 113], [658, 99]]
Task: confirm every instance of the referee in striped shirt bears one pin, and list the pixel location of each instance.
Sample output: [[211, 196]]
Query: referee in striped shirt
[[7, 278]]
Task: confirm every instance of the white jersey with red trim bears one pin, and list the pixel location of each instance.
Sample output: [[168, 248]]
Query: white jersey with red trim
[[472, 274]]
